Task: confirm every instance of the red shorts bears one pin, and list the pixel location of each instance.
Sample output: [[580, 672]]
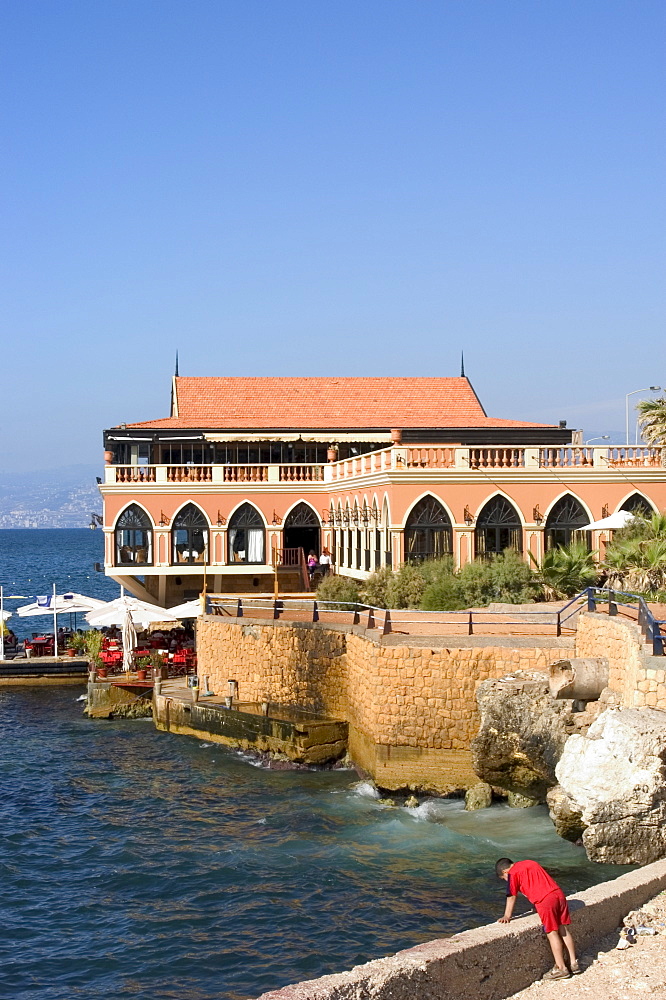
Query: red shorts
[[553, 911]]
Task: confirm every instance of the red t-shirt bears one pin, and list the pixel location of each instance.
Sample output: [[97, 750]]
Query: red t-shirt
[[531, 879]]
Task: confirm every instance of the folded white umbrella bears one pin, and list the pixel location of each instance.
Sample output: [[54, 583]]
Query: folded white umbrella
[[620, 519], [5, 615], [191, 609], [141, 613], [129, 639], [75, 604]]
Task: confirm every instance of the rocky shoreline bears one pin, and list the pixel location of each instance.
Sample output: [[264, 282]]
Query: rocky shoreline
[[601, 768]]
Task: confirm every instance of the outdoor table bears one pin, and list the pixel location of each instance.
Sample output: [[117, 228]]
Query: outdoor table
[[42, 645]]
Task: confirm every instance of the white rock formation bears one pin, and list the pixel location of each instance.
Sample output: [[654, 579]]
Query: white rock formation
[[615, 777]]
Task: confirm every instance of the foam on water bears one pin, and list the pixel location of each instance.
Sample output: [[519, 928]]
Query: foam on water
[[366, 790]]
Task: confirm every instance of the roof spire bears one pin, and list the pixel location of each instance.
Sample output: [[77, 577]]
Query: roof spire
[[462, 364], [176, 371]]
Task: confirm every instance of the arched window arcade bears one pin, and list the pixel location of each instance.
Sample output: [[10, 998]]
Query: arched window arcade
[[565, 522], [189, 536], [247, 538], [498, 527], [428, 531], [134, 537]]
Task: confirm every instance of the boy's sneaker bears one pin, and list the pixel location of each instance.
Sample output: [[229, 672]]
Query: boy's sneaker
[[556, 973], [575, 969]]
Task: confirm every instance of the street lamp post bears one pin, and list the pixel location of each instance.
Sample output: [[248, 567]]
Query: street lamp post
[[650, 388], [600, 437]]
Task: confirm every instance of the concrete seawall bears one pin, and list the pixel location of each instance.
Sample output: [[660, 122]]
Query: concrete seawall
[[487, 963], [43, 671], [411, 709]]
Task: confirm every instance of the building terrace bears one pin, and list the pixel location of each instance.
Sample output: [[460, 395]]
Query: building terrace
[[247, 475]]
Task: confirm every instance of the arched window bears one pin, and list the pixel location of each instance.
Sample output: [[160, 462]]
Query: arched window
[[246, 535], [189, 536], [428, 532], [498, 527], [638, 505], [564, 523], [134, 538]]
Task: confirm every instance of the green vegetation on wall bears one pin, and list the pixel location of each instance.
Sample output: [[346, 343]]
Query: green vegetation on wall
[[635, 562]]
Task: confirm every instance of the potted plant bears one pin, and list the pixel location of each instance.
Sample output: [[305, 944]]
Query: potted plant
[[93, 645], [77, 644], [142, 665], [157, 662]]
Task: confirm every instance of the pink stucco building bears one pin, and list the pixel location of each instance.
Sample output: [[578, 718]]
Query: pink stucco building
[[247, 473]]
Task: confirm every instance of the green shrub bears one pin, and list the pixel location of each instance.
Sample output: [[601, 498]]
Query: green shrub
[[512, 579], [405, 588], [375, 588], [338, 591], [443, 594]]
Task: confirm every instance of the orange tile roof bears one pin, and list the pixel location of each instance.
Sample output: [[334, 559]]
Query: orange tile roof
[[326, 402]]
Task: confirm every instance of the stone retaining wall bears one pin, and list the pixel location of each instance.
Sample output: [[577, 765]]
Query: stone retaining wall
[[411, 709], [636, 679], [487, 963]]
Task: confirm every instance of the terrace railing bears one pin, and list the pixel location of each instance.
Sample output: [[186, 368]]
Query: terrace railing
[[552, 621], [397, 460]]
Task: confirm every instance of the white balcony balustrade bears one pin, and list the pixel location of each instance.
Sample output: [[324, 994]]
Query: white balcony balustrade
[[395, 460]]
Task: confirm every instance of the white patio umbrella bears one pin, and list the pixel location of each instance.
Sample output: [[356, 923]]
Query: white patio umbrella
[[55, 604], [191, 609], [141, 613], [129, 640], [73, 603], [620, 519]]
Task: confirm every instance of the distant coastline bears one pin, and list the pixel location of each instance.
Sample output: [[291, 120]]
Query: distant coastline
[[64, 497]]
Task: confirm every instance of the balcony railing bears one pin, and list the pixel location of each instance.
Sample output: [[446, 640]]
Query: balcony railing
[[214, 473], [396, 460]]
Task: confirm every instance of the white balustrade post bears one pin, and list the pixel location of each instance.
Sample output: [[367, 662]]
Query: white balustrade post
[[160, 473], [461, 458], [273, 474]]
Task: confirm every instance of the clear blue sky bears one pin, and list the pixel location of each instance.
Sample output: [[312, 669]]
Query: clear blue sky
[[327, 187]]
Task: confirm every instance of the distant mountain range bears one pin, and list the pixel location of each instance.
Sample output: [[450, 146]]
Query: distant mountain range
[[50, 498]]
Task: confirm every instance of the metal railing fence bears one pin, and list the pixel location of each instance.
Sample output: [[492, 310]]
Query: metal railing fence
[[551, 621]]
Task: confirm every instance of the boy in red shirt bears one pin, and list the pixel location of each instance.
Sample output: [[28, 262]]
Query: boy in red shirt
[[550, 903]]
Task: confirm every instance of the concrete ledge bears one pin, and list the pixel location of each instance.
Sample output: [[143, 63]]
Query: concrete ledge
[[487, 963]]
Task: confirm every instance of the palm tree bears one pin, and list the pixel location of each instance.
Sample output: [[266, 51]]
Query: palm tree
[[652, 418], [636, 558], [567, 569]]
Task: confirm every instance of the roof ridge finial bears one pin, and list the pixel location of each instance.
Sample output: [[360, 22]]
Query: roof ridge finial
[[176, 371], [462, 364]]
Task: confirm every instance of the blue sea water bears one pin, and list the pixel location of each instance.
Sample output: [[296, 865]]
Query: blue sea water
[[31, 561], [138, 864]]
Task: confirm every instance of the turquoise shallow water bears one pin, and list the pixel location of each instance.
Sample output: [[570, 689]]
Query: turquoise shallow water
[[142, 865]]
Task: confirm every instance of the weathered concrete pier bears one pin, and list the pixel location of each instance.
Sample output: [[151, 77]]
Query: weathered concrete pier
[[43, 670], [301, 736]]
